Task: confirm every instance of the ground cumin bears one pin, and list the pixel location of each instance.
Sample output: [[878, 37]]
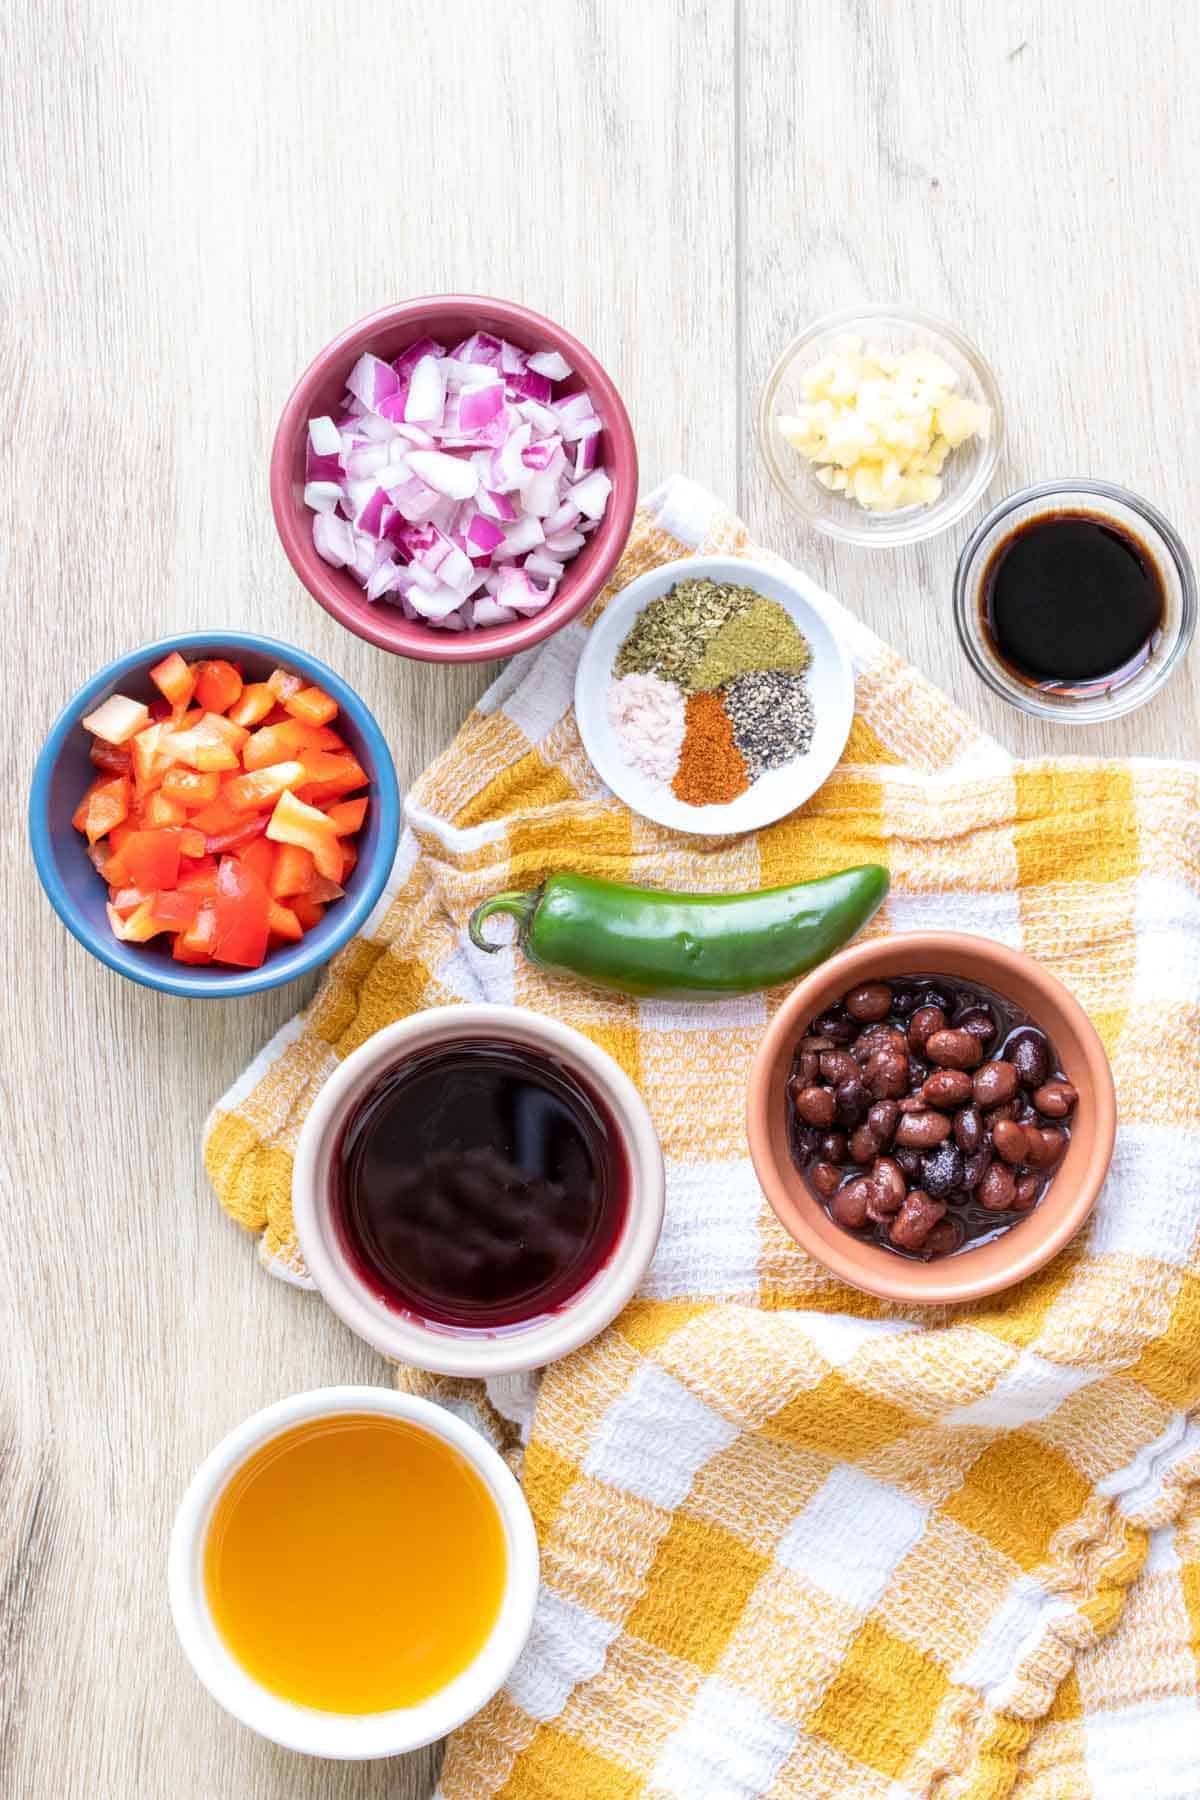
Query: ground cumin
[[711, 767]]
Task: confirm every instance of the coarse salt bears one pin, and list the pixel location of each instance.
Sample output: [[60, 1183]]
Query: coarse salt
[[647, 715]]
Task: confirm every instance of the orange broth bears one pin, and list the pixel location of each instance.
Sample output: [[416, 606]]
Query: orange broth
[[355, 1564]]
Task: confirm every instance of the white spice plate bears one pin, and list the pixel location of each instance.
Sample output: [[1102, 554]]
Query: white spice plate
[[778, 792]]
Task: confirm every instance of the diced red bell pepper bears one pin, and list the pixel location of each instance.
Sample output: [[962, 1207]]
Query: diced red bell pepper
[[174, 680], [347, 815], [284, 924], [328, 777], [218, 685], [255, 703], [174, 911], [283, 685], [198, 877], [151, 859], [323, 890], [117, 719], [349, 857], [158, 810], [220, 816], [309, 912], [149, 764], [292, 822], [192, 843], [262, 787], [126, 900], [159, 912], [195, 945], [114, 759], [204, 746], [285, 742], [294, 871], [259, 856], [242, 906], [224, 842], [104, 806], [191, 787], [312, 706]]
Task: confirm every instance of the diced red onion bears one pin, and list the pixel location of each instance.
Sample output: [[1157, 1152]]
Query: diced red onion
[[480, 347], [450, 475], [426, 393], [488, 611], [514, 588], [540, 563], [591, 494], [333, 539], [539, 456], [565, 543], [551, 364], [383, 581], [372, 380], [484, 533], [323, 437], [531, 387], [496, 506], [406, 362], [587, 454], [478, 406], [322, 496], [365, 460], [525, 535], [541, 494], [370, 519], [561, 519], [463, 466]]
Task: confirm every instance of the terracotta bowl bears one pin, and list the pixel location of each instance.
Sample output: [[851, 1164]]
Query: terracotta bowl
[[968, 1274]]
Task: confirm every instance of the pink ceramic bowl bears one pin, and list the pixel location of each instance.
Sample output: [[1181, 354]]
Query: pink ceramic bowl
[[448, 317]]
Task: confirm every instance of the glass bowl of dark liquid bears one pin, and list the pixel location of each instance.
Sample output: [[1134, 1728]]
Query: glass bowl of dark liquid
[[1075, 600], [478, 1190]]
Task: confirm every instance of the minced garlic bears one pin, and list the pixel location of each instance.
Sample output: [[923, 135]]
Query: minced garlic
[[880, 426]]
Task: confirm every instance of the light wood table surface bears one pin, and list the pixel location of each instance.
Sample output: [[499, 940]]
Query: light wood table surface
[[196, 198]]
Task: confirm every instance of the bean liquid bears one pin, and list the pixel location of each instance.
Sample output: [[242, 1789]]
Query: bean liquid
[[479, 1185], [1072, 603]]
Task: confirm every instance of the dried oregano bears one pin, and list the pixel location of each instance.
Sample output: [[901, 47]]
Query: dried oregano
[[673, 632]]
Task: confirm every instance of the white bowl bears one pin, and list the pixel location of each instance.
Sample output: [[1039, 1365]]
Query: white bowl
[[778, 792], [445, 1349], [348, 1736]]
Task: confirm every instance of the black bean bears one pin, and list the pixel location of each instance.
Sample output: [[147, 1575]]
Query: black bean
[[968, 1129], [942, 1171], [1029, 1053]]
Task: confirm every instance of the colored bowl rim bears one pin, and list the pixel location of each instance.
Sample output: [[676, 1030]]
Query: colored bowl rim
[[494, 641], [910, 1283], [281, 966]]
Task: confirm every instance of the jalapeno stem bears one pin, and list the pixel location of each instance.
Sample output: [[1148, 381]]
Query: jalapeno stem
[[520, 906]]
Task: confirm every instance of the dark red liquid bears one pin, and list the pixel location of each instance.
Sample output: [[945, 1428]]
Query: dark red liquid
[[479, 1185]]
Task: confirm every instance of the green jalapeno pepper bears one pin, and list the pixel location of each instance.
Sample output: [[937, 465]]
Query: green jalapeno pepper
[[648, 942]]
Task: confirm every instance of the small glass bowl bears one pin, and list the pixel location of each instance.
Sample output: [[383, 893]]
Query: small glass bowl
[[968, 470], [1160, 540]]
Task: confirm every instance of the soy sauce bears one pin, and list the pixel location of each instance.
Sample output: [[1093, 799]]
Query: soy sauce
[[1072, 602], [479, 1185]]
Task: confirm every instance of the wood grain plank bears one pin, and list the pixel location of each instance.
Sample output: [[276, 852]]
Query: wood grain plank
[[1028, 172], [197, 199]]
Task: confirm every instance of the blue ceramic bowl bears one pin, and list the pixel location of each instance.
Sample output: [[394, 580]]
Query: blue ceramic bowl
[[64, 770]]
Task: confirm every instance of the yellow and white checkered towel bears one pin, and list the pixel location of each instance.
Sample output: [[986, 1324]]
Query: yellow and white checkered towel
[[798, 1542]]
